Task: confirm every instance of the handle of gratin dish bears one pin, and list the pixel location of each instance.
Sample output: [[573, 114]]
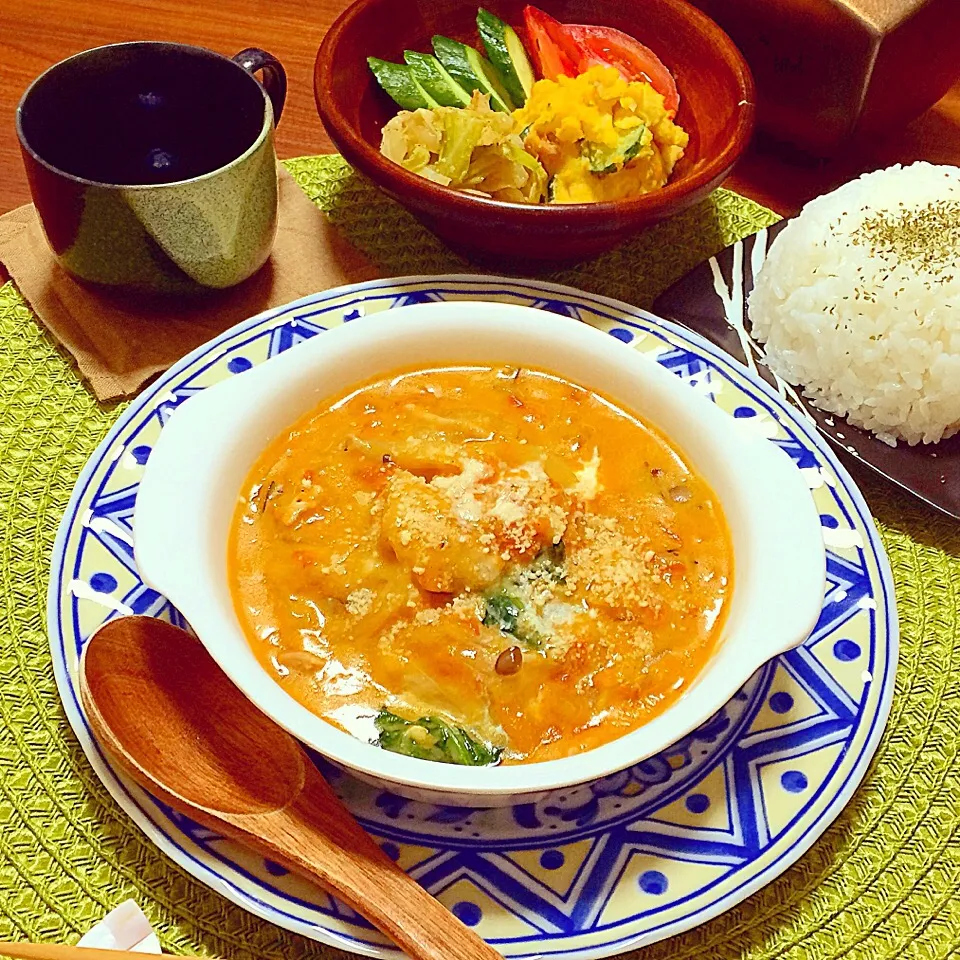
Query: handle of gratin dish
[[784, 567], [178, 505]]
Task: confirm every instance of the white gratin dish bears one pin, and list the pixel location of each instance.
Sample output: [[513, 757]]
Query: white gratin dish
[[189, 491]]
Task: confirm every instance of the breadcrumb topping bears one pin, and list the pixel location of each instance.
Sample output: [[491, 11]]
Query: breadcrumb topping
[[360, 602], [614, 568]]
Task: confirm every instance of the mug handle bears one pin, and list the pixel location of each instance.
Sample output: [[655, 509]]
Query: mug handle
[[274, 76]]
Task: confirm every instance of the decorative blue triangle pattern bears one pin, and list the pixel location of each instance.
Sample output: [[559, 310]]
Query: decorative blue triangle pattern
[[190, 828], [715, 812], [417, 296], [110, 519], [613, 845], [290, 334], [171, 400], [686, 364], [799, 452], [146, 602], [848, 586], [562, 307]]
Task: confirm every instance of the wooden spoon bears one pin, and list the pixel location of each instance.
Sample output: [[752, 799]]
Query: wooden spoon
[[171, 719]]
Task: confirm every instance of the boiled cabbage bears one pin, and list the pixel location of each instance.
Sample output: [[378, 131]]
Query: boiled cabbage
[[473, 148]]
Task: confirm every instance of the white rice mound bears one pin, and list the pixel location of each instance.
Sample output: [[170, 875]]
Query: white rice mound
[[858, 302]]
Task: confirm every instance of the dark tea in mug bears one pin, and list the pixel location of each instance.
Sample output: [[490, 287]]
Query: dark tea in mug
[[152, 164]]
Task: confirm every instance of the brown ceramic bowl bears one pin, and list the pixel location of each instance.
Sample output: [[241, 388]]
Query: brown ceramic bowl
[[716, 108]]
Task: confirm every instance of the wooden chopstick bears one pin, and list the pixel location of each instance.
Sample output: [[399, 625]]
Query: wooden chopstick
[[63, 951]]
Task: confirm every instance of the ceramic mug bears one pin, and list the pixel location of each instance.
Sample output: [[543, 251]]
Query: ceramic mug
[[152, 165]]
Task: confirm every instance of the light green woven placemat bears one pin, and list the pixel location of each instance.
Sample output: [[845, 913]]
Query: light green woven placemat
[[882, 883]]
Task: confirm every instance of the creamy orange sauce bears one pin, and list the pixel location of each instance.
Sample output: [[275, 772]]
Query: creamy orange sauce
[[495, 547]]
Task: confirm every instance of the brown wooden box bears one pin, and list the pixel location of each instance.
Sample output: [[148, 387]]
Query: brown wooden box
[[830, 70]]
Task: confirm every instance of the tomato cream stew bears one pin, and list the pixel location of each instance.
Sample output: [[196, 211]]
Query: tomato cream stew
[[479, 564]]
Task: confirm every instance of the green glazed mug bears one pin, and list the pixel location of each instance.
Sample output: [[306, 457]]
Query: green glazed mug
[[152, 165]]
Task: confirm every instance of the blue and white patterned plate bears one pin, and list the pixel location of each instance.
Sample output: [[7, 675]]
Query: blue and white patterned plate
[[593, 870]]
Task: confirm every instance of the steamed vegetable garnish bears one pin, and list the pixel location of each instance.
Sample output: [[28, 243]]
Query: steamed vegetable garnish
[[510, 614], [474, 148], [431, 738], [598, 126]]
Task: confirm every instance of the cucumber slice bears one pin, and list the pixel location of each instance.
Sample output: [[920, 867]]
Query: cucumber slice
[[398, 80], [451, 55], [507, 54], [472, 71], [602, 160], [433, 77], [490, 81]]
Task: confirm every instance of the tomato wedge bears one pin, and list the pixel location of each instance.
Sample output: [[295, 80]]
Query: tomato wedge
[[554, 53], [570, 49], [618, 49]]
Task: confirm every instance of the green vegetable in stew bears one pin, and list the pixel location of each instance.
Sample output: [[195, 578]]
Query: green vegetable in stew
[[431, 738], [502, 610], [505, 607]]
